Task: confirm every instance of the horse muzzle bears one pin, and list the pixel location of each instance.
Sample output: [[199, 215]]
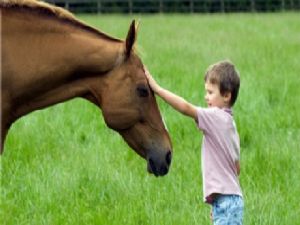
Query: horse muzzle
[[159, 166]]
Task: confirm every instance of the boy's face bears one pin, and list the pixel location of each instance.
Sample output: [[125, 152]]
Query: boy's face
[[214, 98]]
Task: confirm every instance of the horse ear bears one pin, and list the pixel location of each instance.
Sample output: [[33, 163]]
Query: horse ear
[[130, 39]]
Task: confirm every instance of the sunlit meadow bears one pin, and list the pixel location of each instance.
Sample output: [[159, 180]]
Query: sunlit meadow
[[62, 165]]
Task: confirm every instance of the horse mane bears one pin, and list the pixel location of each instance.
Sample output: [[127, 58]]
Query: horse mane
[[54, 12]]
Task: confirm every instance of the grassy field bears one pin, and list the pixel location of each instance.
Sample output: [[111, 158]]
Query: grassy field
[[63, 166]]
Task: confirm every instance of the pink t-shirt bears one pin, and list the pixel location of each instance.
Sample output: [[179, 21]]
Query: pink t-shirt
[[220, 152]]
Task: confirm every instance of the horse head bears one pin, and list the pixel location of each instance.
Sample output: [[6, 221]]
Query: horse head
[[129, 107]]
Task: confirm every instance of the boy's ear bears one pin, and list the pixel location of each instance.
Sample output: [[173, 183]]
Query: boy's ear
[[227, 97]]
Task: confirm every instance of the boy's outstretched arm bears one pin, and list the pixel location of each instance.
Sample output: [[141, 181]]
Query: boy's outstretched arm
[[177, 102]]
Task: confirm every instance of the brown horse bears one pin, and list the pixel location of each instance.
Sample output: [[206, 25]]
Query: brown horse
[[49, 57]]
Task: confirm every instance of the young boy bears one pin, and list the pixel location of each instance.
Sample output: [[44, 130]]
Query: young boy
[[220, 145]]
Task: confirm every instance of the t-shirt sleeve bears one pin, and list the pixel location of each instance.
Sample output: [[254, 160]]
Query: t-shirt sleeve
[[206, 119]]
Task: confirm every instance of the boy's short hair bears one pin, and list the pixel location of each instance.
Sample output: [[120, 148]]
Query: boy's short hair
[[226, 77]]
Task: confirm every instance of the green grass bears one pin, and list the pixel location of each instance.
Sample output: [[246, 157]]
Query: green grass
[[63, 166]]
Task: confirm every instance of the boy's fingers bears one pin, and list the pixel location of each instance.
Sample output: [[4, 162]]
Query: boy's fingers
[[147, 73], [146, 69]]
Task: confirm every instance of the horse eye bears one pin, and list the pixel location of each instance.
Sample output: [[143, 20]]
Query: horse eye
[[142, 91]]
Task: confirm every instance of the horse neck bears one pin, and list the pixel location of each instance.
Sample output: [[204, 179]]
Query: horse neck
[[93, 54], [61, 64]]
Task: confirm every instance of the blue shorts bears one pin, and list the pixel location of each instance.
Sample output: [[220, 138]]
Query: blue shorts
[[228, 210]]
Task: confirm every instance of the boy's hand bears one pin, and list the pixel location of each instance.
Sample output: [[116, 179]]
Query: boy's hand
[[177, 102], [154, 86]]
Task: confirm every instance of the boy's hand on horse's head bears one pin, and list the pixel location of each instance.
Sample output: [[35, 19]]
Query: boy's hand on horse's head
[[150, 79], [147, 73]]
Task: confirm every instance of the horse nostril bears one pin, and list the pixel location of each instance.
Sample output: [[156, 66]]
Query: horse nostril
[[163, 170], [152, 166], [159, 167], [169, 157]]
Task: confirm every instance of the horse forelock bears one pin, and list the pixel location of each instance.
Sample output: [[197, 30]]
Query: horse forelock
[[54, 11]]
